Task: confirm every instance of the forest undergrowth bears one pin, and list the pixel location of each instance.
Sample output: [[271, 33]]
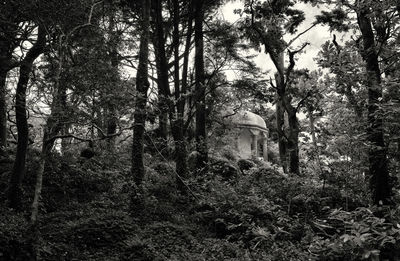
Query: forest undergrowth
[[246, 210]]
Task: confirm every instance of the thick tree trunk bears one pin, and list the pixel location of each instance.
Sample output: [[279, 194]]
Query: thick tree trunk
[[378, 169], [142, 86], [201, 134], [280, 111], [17, 175], [164, 92], [288, 144], [280, 122]]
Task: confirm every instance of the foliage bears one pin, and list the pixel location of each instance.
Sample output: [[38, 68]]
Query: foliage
[[13, 243], [358, 235]]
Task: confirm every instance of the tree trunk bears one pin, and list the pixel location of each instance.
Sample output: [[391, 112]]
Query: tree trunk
[[312, 127], [280, 121], [3, 111], [111, 115], [280, 113], [293, 139], [185, 67], [201, 133], [17, 175], [178, 123], [54, 125], [378, 169], [142, 86], [164, 92], [7, 46]]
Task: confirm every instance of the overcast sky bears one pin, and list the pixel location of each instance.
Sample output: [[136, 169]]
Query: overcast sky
[[316, 36]]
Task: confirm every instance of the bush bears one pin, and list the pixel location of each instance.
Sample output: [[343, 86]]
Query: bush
[[245, 164], [356, 235], [65, 183], [224, 169], [77, 235], [14, 236]]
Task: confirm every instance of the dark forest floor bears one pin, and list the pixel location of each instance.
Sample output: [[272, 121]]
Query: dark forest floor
[[230, 214]]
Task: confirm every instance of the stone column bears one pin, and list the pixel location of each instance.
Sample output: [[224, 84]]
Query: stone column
[[265, 146], [255, 145]]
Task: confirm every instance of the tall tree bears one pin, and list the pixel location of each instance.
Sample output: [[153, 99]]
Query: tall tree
[[110, 108], [200, 88], [175, 109], [12, 29], [17, 175], [378, 169], [177, 122], [268, 20], [375, 21], [142, 86]]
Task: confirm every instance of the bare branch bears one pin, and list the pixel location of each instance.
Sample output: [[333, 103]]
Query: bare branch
[[300, 34]]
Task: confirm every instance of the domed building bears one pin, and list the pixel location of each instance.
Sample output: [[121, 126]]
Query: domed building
[[252, 140]]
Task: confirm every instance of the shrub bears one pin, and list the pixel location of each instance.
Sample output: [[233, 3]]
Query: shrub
[[14, 240], [245, 164], [356, 235], [224, 169]]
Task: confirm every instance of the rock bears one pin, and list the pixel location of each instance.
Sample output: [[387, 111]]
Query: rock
[[192, 158]]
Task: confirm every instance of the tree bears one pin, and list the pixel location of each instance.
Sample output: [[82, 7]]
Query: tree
[[200, 88], [376, 24], [17, 175], [142, 86], [378, 168], [13, 27], [265, 26], [175, 104]]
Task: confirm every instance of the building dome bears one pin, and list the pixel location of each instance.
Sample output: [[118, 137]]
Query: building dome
[[249, 119]]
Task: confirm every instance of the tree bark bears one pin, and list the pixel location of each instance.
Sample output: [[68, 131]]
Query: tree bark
[[178, 123], [3, 111], [17, 175], [378, 169], [280, 122], [280, 113], [293, 139], [111, 115], [164, 92], [201, 133], [142, 86], [185, 67]]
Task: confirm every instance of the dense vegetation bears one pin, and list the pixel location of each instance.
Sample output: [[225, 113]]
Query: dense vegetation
[[115, 143]]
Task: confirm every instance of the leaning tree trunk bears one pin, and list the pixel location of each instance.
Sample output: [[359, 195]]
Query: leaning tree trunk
[[378, 169], [201, 134], [142, 86], [54, 125], [17, 175]]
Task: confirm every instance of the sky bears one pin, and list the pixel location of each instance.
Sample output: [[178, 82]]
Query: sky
[[316, 36]]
